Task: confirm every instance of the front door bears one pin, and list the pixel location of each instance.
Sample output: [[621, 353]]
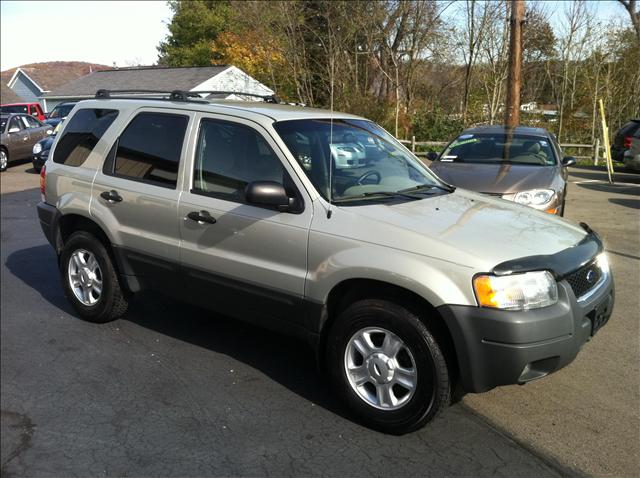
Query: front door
[[240, 259], [20, 147]]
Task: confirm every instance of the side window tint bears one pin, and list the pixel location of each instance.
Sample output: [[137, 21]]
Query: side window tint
[[16, 123], [32, 122], [230, 156], [81, 135], [149, 149]]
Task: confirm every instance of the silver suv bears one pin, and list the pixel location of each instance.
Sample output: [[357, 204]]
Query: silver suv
[[410, 291]]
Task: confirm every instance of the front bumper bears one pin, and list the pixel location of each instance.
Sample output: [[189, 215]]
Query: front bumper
[[500, 347]]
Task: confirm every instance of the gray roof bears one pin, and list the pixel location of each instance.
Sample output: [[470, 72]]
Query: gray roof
[[7, 95], [147, 78], [501, 129]]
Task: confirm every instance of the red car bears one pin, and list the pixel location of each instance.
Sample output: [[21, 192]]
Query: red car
[[33, 109]]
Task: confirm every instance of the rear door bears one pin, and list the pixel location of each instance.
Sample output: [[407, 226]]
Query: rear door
[[244, 261], [136, 194], [20, 146]]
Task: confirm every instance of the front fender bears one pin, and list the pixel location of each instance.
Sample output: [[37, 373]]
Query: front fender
[[333, 260]]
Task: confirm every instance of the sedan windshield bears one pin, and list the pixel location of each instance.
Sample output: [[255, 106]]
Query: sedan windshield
[[366, 161], [61, 111], [499, 148]]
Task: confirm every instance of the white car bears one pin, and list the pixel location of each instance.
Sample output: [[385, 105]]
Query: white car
[[348, 155]]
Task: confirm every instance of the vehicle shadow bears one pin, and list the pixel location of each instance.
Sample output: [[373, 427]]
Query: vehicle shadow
[[632, 203], [612, 188], [287, 360]]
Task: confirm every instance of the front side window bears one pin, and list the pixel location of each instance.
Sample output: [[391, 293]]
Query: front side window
[[500, 148], [230, 156], [31, 122], [150, 147], [355, 159], [81, 135]]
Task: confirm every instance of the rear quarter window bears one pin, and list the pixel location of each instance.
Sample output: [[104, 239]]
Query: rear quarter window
[[81, 135]]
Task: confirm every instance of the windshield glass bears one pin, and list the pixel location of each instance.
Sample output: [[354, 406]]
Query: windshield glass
[[366, 160], [61, 111], [14, 109], [499, 148]]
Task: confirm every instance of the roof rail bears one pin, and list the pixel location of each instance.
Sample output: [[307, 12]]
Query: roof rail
[[272, 98], [181, 95]]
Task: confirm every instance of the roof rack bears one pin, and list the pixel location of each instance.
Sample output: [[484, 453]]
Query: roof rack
[[180, 95]]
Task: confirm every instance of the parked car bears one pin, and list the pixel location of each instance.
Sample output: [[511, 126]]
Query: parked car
[[33, 109], [59, 113], [622, 139], [19, 132], [525, 166], [41, 149], [631, 157], [409, 290]]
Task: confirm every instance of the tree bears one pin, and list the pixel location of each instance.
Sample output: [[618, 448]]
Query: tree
[[634, 13], [194, 26]]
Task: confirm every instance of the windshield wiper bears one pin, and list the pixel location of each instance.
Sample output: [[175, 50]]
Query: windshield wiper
[[420, 187], [384, 194]]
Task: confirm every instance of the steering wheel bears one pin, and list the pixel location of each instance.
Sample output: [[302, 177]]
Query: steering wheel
[[368, 174]]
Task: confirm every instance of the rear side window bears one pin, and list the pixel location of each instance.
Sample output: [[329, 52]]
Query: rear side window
[[149, 149], [81, 135]]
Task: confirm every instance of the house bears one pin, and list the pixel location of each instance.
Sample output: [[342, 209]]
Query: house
[[154, 78], [529, 107], [7, 96], [30, 82]]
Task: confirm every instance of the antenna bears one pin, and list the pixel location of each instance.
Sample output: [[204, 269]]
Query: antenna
[[329, 211]]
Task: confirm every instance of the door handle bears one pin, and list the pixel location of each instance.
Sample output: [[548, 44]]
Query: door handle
[[111, 196], [201, 217]]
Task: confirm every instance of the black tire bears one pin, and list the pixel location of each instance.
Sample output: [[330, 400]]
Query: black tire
[[4, 164], [113, 301], [433, 389]]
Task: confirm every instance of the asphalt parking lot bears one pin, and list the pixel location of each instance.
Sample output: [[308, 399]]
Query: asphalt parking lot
[[172, 391]]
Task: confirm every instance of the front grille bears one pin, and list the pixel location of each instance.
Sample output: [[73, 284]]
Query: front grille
[[584, 279]]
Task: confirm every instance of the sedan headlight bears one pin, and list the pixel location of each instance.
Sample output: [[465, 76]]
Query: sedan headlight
[[530, 290], [534, 197], [37, 148]]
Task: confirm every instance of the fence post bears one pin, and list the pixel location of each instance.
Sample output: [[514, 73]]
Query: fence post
[[596, 152], [413, 144]]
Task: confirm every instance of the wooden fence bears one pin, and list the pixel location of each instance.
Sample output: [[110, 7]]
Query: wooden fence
[[597, 150]]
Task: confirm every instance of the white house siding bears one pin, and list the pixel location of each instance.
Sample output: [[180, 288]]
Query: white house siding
[[233, 79]]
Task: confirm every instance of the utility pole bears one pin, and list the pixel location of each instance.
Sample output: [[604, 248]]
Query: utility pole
[[514, 81]]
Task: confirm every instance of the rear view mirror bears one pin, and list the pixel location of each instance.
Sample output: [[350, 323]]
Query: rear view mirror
[[568, 161], [432, 155], [269, 194], [15, 129]]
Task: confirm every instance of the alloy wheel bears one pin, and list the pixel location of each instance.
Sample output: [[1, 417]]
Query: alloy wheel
[[85, 277]]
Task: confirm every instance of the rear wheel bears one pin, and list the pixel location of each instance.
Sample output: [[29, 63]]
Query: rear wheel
[[90, 280], [387, 366], [4, 159]]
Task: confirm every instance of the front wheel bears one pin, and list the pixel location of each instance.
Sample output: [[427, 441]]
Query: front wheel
[[4, 160], [387, 366], [90, 280]]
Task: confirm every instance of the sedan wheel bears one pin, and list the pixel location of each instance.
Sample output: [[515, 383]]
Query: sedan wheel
[[4, 160]]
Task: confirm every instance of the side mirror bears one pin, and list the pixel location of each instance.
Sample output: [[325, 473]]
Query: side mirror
[[15, 129], [432, 155], [568, 161], [269, 194]]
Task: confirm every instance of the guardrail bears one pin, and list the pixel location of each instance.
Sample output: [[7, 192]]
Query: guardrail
[[597, 149]]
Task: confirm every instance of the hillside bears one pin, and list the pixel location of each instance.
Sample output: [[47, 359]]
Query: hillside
[[53, 74]]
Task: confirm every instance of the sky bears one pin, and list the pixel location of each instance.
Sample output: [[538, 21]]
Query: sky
[[126, 32], [105, 32]]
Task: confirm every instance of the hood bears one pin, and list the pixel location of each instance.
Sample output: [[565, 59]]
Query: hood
[[463, 227], [495, 178]]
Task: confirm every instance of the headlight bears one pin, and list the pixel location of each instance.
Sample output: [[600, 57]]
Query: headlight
[[530, 290], [603, 262], [37, 148], [534, 197]]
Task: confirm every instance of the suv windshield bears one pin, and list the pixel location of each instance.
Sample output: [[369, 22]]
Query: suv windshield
[[367, 162], [499, 148], [61, 111], [14, 109]]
